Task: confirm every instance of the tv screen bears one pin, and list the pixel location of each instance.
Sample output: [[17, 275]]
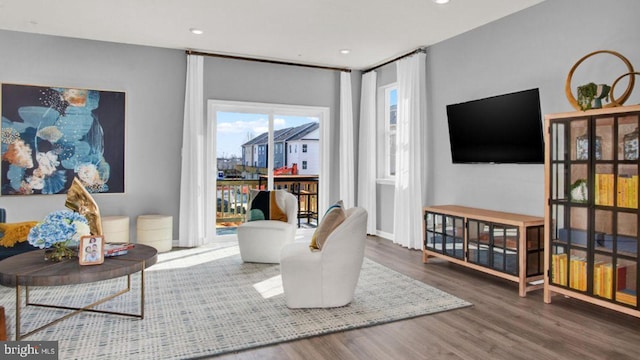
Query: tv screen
[[500, 129]]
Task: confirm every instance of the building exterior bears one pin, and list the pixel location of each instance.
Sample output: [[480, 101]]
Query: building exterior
[[304, 149], [299, 145]]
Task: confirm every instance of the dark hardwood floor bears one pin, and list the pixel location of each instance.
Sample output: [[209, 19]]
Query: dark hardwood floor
[[500, 324]]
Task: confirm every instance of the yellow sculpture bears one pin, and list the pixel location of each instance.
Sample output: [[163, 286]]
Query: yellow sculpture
[[81, 201]]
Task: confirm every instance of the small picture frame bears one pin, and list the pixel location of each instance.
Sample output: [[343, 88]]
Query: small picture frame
[[91, 250]]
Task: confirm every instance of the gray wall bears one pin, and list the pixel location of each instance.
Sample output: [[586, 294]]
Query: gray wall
[[153, 80], [534, 48], [240, 80]]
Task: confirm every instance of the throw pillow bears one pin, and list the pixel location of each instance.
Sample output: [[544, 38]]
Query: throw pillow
[[13, 233], [265, 207], [333, 217]]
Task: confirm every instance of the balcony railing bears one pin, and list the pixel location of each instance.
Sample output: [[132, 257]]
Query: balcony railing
[[233, 197]]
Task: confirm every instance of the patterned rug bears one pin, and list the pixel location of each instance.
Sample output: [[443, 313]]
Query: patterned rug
[[205, 301]]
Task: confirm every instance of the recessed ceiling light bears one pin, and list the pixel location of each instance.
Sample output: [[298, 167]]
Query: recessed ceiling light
[[440, 2], [345, 51], [196, 31]]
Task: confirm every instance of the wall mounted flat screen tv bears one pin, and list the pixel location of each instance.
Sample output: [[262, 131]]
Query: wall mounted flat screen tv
[[503, 129]]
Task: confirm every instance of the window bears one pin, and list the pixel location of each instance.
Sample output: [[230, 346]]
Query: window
[[236, 129], [304, 148], [390, 120], [304, 165]]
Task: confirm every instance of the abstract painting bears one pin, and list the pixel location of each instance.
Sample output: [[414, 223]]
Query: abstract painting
[[52, 134]]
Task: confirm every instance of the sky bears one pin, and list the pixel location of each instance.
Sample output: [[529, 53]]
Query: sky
[[234, 129]]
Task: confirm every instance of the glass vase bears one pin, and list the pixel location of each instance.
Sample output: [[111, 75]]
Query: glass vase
[[60, 251], [582, 147], [631, 145]]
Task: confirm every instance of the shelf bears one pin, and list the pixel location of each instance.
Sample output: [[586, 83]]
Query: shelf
[[591, 215]]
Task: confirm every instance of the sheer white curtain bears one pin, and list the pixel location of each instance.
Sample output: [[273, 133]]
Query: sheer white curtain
[[347, 171], [410, 145], [367, 149], [192, 211]]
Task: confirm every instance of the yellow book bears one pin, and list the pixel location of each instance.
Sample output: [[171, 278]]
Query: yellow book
[[555, 268], [582, 275], [623, 196], [610, 194], [559, 265], [607, 283], [597, 278], [577, 274], [598, 190], [633, 192], [563, 270], [601, 189]]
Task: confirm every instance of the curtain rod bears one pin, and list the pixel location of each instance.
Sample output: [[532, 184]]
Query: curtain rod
[[416, 51], [191, 52]]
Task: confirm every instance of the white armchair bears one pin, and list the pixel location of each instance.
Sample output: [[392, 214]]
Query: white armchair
[[262, 240], [327, 277]]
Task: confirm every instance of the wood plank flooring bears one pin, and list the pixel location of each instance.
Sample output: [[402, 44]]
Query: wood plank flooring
[[500, 325]]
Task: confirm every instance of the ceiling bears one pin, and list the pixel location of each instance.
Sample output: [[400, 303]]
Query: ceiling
[[301, 31]]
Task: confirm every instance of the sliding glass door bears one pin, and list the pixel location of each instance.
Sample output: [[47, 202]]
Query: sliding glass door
[[256, 145]]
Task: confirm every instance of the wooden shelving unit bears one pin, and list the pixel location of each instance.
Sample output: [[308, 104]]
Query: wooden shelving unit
[[591, 217], [503, 244]]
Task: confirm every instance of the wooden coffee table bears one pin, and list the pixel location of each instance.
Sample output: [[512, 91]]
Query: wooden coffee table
[[30, 269]]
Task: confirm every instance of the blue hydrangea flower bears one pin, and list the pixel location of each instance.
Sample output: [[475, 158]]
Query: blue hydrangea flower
[[59, 226]]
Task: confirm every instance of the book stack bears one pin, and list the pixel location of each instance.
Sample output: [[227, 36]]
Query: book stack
[[604, 189], [627, 296], [578, 273], [559, 269], [115, 249], [603, 280], [628, 191]]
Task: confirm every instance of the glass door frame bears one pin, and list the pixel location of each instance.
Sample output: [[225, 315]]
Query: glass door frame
[[270, 109]]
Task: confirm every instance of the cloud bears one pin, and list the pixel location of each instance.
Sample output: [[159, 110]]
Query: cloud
[[279, 123], [257, 126]]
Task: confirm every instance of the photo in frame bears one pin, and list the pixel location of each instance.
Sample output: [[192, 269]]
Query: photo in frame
[[91, 250], [52, 134]]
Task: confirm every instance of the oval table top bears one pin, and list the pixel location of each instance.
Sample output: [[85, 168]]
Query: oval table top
[[30, 268]]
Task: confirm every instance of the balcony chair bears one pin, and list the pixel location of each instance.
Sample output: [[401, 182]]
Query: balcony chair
[[261, 240], [326, 277]]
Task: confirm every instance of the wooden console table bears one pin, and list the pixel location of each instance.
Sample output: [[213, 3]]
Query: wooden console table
[[507, 245], [30, 269]]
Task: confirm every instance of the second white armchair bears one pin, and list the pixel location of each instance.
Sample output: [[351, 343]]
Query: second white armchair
[[262, 240], [326, 277]]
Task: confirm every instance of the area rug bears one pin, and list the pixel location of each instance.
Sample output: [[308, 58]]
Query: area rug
[[205, 301]]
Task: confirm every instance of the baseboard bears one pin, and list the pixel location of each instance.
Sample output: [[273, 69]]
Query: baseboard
[[385, 235]]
